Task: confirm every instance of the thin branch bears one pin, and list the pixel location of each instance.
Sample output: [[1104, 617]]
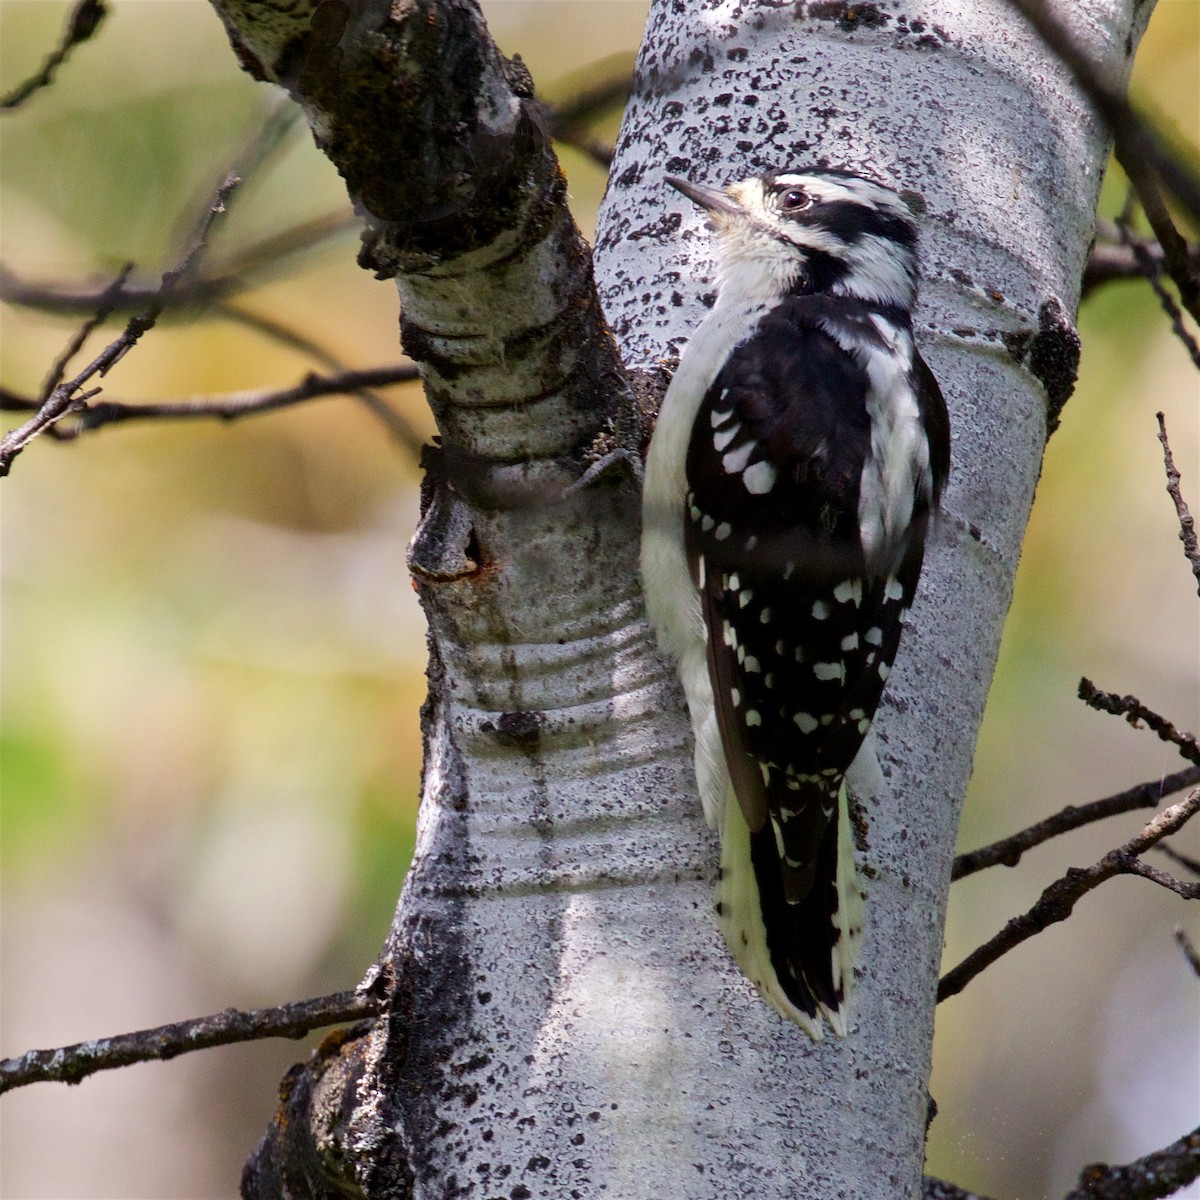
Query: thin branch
[[53, 402], [1008, 851], [64, 397], [1163, 1173], [400, 430], [1152, 270], [104, 308], [1058, 901], [597, 149], [1118, 257], [1174, 248], [569, 121], [84, 20], [1184, 860], [244, 269], [1136, 713], [70, 1064], [613, 83], [1187, 526], [1189, 950], [85, 418], [1189, 891], [1140, 149]]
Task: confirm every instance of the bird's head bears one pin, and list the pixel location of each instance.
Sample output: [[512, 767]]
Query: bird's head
[[811, 231]]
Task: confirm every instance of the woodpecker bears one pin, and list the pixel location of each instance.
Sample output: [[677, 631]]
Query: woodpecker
[[800, 452]]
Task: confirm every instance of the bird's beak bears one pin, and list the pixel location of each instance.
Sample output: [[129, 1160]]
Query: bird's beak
[[712, 200]]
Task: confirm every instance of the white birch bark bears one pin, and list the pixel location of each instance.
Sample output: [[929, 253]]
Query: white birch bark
[[565, 1020]]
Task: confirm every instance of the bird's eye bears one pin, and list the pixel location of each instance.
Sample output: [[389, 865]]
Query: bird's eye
[[794, 200]]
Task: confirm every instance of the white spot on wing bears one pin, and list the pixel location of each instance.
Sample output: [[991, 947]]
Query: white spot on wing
[[805, 722], [722, 438], [849, 591], [759, 478], [735, 461]]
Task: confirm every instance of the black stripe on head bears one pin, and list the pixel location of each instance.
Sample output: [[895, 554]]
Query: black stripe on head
[[849, 221]]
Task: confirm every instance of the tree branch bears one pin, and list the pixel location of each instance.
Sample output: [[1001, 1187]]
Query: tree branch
[[569, 121], [86, 418], [70, 1064], [1189, 891], [1184, 860], [1058, 901], [1189, 950], [1187, 526], [244, 269], [1160, 1174], [64, 397], [1140, 150], [1116, 257], [1135, 712], [1151, 269], [84, 20], [1008, 851]]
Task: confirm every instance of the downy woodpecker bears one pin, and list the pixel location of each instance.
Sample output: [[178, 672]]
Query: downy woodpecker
[[799, 453]]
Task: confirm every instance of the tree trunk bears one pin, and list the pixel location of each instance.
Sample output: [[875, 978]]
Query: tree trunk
[[565, 1021]]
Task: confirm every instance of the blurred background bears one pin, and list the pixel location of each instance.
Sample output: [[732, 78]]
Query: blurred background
[[213, 659]]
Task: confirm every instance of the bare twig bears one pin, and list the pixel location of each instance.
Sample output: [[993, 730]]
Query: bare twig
[[226, 406], [1115, 257], [1189, 950], [1008, 851], [70, 1064], [103, 310], [1160, 1174], [1184, 860], [399, 429], [1146, 158], [84, 20], [1144, 179], [85, 418], [65, 396], [1189, 891], [1187, 526], [1136, 713], [1151, 269], [244, 269], [1058, 901], [569, 121]]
